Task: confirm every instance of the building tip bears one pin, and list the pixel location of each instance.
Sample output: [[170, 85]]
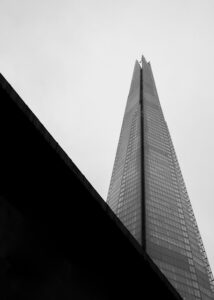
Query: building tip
[[143, 60]]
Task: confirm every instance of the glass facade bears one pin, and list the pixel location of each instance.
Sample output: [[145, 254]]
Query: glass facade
[[124, 194], [148, 193]]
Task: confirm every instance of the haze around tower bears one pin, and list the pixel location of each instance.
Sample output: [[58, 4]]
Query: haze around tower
[[71, 62]]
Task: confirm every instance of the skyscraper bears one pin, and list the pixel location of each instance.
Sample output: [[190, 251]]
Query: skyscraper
[[147, 192]]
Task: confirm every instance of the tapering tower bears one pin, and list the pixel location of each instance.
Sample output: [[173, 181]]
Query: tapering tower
[[147, 192]]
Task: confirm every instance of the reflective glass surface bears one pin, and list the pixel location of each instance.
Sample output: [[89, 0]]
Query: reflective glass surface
[[124, 195], [171, 236]]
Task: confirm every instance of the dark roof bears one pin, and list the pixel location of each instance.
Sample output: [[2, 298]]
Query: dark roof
[[65, 214]]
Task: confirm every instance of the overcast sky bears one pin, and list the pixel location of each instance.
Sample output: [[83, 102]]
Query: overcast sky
[[72, 62]]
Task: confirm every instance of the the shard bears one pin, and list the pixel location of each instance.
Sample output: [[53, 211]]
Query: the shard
[[147, 192]]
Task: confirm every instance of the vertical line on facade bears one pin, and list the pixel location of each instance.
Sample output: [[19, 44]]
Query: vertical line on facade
[[143, 198]]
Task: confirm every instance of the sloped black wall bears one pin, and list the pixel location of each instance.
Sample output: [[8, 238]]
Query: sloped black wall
[[58, 238]]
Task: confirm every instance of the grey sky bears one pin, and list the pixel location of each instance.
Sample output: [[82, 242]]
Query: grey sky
[[72, 62]]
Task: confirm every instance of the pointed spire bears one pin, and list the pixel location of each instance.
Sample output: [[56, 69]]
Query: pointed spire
[[143, 60]]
